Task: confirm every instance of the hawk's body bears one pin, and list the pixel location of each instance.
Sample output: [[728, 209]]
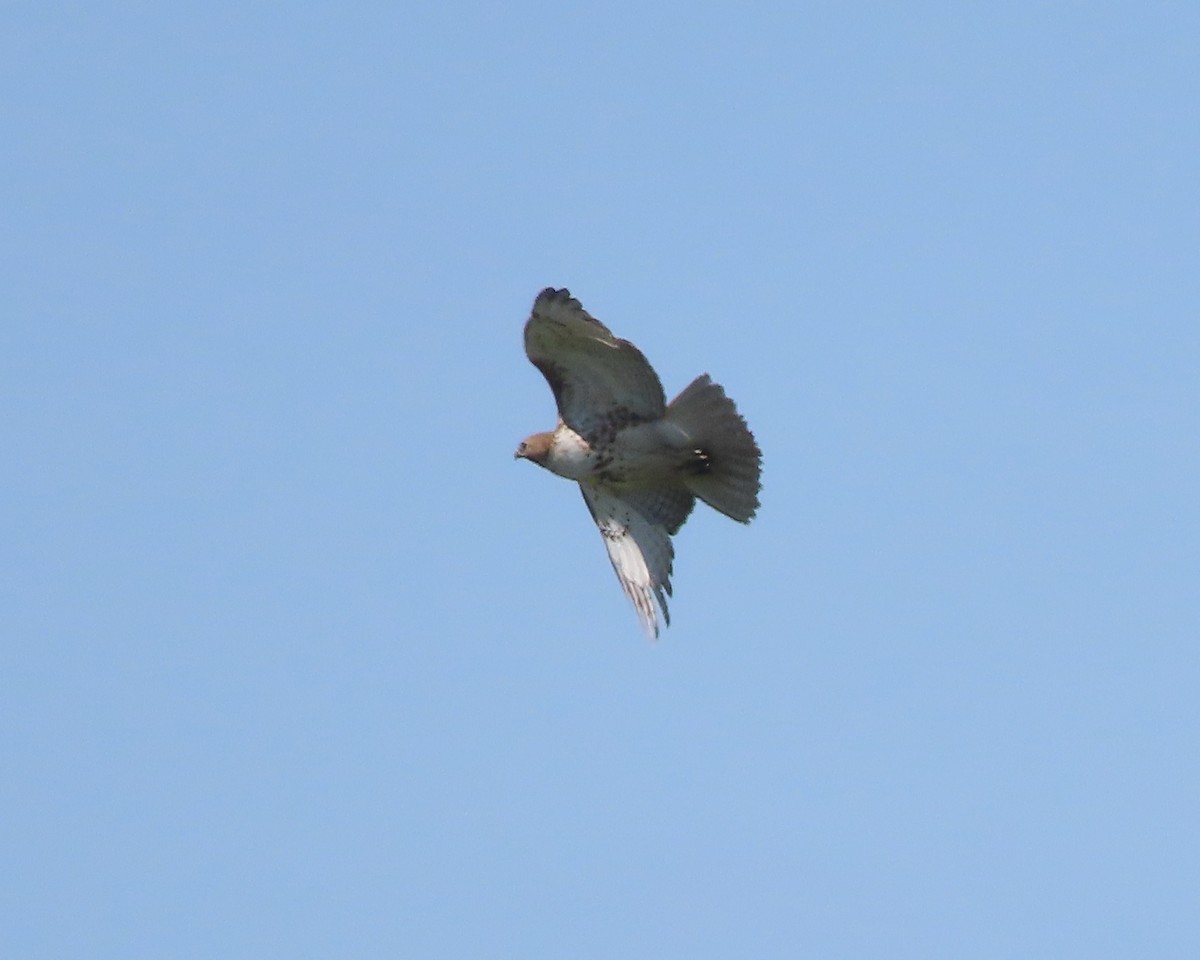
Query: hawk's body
[[639, 461]]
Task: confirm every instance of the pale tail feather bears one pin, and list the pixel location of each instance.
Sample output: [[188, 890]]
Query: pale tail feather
[[727, 476]]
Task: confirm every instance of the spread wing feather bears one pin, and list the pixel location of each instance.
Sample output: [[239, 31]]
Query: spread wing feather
[[599, 381], [640, 550], [664, 506]]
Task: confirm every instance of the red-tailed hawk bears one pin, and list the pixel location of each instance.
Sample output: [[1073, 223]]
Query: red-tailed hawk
[[639, 461]]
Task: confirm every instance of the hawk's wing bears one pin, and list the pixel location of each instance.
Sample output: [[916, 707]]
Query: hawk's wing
[[599, 381], [637, 528]]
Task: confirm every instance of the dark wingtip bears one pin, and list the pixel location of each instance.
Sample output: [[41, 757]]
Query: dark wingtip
[[556, 295]]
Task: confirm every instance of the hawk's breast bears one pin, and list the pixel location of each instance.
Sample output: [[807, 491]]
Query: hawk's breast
[[570, 455]]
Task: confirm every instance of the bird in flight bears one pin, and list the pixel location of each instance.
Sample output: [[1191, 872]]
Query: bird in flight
[[641, 462]]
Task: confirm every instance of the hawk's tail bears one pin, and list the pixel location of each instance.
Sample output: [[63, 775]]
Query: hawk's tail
[[725, 474]]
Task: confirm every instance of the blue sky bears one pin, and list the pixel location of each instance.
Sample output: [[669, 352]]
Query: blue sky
[[298, 662]]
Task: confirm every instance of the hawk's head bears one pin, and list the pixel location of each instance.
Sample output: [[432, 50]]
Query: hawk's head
[[535, 448]]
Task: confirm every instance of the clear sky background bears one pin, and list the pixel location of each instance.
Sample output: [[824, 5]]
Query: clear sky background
[[298, 662]]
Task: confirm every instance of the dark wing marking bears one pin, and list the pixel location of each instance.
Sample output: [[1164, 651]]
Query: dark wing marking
[[667, 507]]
